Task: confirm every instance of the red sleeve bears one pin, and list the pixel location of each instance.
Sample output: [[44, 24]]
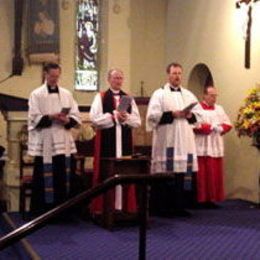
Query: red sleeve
[[226, 128], [204, 129]]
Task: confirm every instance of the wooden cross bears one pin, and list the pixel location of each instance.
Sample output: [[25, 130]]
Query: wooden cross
[[248, 31]]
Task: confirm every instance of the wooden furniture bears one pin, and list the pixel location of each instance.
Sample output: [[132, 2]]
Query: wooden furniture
[[3, 204], [85, 149], [84, 162], [26, 170], [145, 150], [120, 166]]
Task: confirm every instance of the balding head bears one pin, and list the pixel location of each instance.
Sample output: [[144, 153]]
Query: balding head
[[115, 78]]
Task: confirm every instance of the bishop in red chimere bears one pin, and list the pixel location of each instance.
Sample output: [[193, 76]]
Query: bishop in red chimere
[[113, 135]]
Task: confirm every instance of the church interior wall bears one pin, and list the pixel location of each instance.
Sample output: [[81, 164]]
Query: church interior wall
[[132, 38]]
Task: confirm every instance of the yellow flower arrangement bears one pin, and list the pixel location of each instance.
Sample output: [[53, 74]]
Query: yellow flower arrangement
[[248, 119]]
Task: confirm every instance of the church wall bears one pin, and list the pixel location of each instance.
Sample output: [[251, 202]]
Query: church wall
[[132, 38], [209, 32], [6, 19], [148, 24]]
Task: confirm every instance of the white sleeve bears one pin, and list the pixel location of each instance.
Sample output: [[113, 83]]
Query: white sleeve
[[74, 112], [154, 111], [97, 117], [198, 112], [133, 119], [224, 119], [34, 113]]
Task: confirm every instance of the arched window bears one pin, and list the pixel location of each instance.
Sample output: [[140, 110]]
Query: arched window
[[200, 78], [87, 45]]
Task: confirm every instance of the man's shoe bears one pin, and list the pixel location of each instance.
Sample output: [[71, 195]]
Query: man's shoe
[[196, 206], [173, 213], [211, 205], [182, 213]]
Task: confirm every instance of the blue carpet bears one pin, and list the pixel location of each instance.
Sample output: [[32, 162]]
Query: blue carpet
[[231, 232], [13, 252]]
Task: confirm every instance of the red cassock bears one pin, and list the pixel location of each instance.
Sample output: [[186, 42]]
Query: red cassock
[[129, 203], [210, 185]]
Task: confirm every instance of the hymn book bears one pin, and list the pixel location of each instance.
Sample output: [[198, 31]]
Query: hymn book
[[124, 103], [188, 108]]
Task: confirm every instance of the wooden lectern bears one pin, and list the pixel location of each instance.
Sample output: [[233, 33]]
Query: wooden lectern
[[121, 166]]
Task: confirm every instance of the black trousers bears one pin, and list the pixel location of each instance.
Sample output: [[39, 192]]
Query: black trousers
[[38, 205], [170, 196]]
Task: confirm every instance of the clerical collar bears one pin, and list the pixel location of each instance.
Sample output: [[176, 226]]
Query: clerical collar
[[173, 88], [51, 89], [115, 92]]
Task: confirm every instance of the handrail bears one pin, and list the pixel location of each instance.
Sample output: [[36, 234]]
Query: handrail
[[24, 242], [109, 183]]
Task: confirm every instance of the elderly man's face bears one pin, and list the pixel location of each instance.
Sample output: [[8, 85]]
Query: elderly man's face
[[175, 76], [116, 79]]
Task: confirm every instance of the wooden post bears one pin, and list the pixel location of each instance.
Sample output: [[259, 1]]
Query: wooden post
[[17, 59]]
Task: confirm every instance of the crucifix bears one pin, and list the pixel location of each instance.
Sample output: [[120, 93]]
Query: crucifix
[[248, 29]]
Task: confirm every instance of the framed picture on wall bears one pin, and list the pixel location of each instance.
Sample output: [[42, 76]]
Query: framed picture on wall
[[43, 30]]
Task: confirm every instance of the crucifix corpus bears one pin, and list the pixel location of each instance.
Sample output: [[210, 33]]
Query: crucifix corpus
[[248, 29]]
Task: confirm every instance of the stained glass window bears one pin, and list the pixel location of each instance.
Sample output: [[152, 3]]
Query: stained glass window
[[87, 45]]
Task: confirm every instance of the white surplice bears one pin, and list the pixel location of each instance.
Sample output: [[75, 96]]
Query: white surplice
[[54, 140], [177, 135], [212, 144]]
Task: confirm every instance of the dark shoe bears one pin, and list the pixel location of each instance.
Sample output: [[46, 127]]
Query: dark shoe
[[212, 205], [161, 213], [62, 219], [174, 213], [182, 213], [196, 206], [208, 205]]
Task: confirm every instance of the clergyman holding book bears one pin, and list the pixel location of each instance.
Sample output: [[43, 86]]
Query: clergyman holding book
[[113, 113], [170, 117]]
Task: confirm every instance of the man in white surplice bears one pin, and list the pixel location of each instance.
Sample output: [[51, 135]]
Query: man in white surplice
[[173, 149], [113, 134], [52, 112]]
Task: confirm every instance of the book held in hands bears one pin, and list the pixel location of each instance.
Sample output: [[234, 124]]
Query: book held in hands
[[65, 110], [124, 103], [188, 108]]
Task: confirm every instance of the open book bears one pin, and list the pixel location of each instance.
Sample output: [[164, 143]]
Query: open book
[[188, 108], [124, 104], [65, 110]]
